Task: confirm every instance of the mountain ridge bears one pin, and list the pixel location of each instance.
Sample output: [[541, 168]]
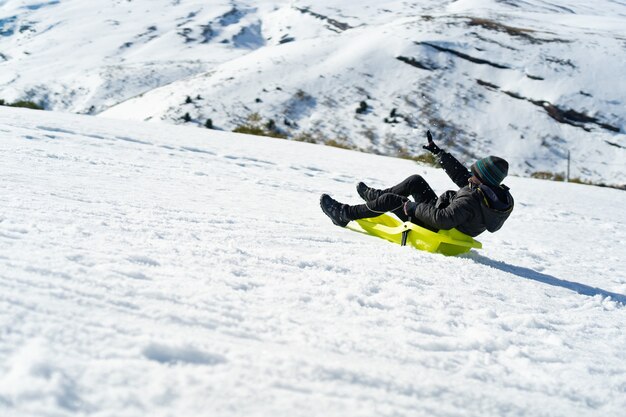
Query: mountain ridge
[[531, 82]]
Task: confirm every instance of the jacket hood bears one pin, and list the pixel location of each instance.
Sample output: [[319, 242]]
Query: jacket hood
[[496, 205]]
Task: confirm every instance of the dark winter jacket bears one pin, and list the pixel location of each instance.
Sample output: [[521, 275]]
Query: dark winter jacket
[[471, 210]]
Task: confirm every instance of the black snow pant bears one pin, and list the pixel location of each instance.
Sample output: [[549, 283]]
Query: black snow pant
[[392, 199]]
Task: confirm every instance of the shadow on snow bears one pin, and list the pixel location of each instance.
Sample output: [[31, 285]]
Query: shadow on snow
[[548, 279]]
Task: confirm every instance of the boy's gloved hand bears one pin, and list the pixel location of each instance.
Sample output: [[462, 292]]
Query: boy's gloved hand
[[409, 208], [431, 147]]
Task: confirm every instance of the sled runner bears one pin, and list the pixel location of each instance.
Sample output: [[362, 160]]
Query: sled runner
[[388, 227]]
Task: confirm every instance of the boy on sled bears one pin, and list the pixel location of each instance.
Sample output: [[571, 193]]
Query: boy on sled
[[481, 203]]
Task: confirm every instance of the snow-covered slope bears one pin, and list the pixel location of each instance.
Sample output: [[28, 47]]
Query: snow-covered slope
[[155, 270], [530, 81]]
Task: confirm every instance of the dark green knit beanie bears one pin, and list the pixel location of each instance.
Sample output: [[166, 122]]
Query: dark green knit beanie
[[491, 170]]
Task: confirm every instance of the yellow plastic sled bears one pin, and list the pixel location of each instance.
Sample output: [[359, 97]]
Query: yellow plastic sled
[[386, 226]]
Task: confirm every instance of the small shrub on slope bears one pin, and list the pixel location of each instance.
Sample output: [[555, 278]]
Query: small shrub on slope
[[254, 126], [22, 103], [545, 175]]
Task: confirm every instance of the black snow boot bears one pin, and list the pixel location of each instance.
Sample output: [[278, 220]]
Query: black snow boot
[[367, 193], [335, 210]]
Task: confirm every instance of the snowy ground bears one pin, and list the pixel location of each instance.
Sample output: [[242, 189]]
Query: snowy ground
[[153, 270]]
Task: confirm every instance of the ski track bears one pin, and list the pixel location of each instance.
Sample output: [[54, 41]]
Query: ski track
[[159, 270]]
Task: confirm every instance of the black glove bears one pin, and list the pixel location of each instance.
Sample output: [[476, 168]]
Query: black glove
[[409, 208], [431, 147]]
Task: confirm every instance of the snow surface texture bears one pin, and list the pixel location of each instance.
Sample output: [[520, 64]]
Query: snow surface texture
[[155, 270], [489, 76]]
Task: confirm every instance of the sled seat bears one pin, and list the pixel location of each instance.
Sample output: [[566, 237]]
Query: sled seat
[[389, 227]]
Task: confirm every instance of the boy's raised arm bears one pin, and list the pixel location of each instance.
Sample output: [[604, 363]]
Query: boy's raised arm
[[455, 170]]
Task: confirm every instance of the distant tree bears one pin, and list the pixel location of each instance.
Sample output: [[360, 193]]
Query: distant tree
[[187, 118], [208, 124], [393, 117], [362, 107], [188, 100]]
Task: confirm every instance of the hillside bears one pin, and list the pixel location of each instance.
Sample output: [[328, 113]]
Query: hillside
[[529, 80], [150, 269]]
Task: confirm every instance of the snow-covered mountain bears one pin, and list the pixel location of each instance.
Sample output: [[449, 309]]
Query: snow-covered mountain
[[528, 80], [158, 270]]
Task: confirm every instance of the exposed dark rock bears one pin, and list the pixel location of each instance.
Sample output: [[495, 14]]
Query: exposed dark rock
[[566, 116], [186, 33], [286, 39], [510, 30], [514, 95], [207, 33], [26, 28], [231, 17], [512, 3], [487, 84], [562, 62], [464, 56], [339, 26], [499, 27], [149, 31], [7, 26], [572, 117], [501, 45], [415, 63]]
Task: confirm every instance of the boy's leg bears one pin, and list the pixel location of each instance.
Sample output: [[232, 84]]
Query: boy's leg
[[384, 203], [415, 186], [342, 214]]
